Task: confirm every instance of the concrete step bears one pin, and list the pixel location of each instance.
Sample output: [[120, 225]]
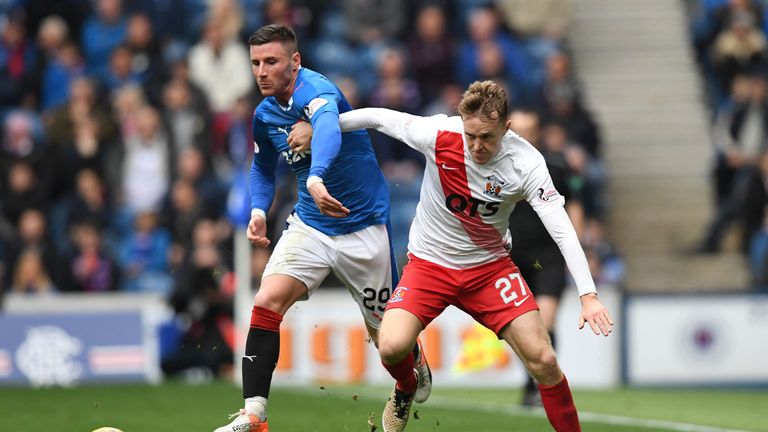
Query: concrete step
[[680, 273]]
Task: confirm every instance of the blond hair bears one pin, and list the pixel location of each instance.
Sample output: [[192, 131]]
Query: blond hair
[[484, 99]]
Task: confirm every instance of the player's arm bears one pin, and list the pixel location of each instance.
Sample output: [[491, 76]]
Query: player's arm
[[548, 204], [323, 115], [593, 312], [261, 182], [418, 132]]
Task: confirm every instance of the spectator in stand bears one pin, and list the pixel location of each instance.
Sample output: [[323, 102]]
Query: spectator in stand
[[239, 142], [446, 103], [30, 275], [90, 202], [490, 64], [742, 140], [229, 15], [184, 210], [432, 52], [738, 49], [120, 72], [146, 54], [32, 237], [82, 135], [144, 257], [60, 72], [146, 164], [103, 32], [22, 190], [22, 139], [394, 90], [210, 60], [542, 24], [562, 105], [587, 172], [188, 123], [90, 266], [725, 167], [373, 21], [191, 166], [51, 37], [483, 26], [558, 79], [17, 64]]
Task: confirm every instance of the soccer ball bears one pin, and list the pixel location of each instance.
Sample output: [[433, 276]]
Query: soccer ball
[[107, 429]]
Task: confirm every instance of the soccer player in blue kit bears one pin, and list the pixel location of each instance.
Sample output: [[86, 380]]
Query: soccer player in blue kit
[[339, 224]]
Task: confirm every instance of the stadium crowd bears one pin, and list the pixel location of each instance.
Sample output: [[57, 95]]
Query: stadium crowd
[[729, 38], [126, 124]]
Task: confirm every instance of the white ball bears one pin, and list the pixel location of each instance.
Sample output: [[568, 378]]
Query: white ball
[[107, 429]]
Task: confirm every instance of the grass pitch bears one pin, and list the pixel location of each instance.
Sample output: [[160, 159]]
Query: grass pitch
[[330, 408]]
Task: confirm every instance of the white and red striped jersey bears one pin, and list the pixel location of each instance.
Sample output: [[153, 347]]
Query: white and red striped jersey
[[463, 212], [464, 208]]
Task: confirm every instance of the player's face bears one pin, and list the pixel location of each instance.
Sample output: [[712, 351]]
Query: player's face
[[483, 137], [274, 67]]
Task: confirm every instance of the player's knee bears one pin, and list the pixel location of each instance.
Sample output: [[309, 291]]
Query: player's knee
[[392, 349], [543, 364], [276, 301]]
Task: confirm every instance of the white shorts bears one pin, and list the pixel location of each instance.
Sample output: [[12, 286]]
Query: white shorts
[[362, 260]]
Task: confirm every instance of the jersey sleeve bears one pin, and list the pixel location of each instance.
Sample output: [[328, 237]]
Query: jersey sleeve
[[319, 102], [261, 180], [417, 132], [539, 190]]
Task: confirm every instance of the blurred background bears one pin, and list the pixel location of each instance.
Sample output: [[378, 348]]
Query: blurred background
[[125, 140]]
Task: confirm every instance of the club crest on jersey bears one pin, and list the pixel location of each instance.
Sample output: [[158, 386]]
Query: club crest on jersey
[[314, 105], [493, 186], [548, 195], [398, 295]]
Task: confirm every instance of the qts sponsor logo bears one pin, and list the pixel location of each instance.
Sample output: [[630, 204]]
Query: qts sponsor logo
[[471, 205]]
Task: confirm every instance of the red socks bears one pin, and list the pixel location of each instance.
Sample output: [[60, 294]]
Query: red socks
[[558, 403], [403, 373], [265, 319]]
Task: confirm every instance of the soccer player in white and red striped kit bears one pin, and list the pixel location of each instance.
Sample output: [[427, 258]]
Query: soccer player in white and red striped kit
[[476, 170]]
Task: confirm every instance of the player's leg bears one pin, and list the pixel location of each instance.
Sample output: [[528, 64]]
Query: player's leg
[[498, 297], [546, 278], [418, 299], [528, 337], [297, 266], [397, 337], [366, 265]]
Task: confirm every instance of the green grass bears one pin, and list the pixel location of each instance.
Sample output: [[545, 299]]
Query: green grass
[[180, 407]]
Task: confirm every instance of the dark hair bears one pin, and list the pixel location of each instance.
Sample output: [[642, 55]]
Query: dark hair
[[275, 33]]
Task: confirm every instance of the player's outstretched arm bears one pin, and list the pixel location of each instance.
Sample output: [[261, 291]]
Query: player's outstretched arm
[[592, 311], [384, 120]]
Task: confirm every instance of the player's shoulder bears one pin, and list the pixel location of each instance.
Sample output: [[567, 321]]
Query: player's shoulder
[[310, 85], [264, 109], [450, 124], [524, 155]]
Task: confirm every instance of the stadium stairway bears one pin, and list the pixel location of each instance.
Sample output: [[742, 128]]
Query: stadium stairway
[[636, 64]]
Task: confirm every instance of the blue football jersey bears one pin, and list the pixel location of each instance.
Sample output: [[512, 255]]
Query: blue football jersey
[[353, 178]]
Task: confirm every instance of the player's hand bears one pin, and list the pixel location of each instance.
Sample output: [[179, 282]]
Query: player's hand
[[327, 204], [300, 137], [594, 313], [257, 231]]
